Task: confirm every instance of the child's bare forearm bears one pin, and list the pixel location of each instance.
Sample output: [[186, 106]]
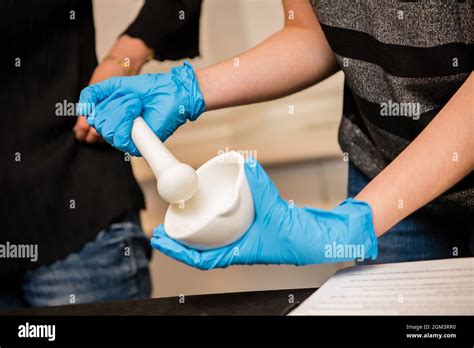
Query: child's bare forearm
[[436, 160], [292, 59]]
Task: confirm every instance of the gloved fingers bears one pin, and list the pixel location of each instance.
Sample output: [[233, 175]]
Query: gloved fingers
[[173, 249], [106, 111], [162, 119], [98, 109], [122, 134], [204, 260], [94, 94], [116, 114]]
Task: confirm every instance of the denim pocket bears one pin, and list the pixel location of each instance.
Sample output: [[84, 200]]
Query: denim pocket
[[112, 267]]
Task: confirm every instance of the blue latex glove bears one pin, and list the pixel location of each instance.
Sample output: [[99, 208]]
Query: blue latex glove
[[285, 234], [165, 101]]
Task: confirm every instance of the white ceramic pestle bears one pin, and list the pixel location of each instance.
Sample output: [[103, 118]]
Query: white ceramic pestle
[[176, 181]]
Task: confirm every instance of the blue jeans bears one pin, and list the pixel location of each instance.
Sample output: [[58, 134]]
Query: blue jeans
[[420, 236], [112, 267]]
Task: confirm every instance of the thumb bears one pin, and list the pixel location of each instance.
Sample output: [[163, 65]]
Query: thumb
[[264, 191], [81, 128]]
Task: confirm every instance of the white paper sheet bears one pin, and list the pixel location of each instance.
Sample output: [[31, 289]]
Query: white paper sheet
[[439, 287]]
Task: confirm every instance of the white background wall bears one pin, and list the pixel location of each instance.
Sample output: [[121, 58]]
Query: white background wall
[[299, 150]]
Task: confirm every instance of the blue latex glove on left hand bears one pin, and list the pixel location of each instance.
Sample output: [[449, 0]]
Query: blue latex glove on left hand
[[285, 234], [165, 101]]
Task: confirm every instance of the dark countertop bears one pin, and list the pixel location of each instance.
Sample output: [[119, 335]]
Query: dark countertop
[[275, 302]]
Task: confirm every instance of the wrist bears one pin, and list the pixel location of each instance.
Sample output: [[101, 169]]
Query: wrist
[[344, 233], [195, 103], [359, 225], [201, 78], [130, 53]]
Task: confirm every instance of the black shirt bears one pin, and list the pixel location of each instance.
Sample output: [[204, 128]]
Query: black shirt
[[57, 192]]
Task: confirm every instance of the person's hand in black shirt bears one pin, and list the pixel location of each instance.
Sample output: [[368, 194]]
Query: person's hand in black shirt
[[126, 57]]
